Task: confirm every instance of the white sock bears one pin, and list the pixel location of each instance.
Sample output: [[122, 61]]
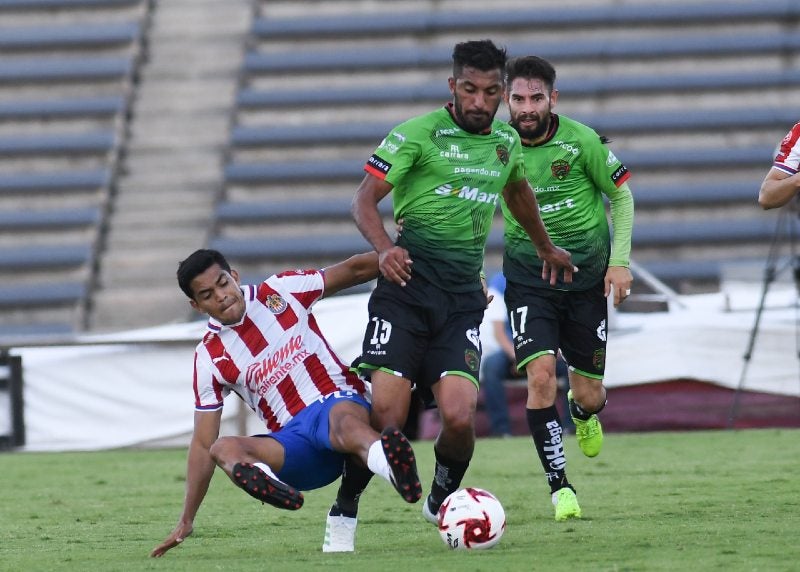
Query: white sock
[[377, 463], [267, 470]]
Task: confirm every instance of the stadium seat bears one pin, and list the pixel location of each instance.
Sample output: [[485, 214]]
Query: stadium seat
[[244, 173], [98, 106], [686, 120], [32, 5], [44, 256], [48, 69], [252, 98], [703, 232], [105, 34], [433, 22], [292, 248], [58, 144], [55, 181], [51, 294], [255, 173], [695, 193], [49, 219], [385, 59], [230, 212]]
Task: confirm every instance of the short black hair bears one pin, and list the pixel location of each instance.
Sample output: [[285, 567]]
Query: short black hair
[[482, 55], [195, 264], [530, 67]]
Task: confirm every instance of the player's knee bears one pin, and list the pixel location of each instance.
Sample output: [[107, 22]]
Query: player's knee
[[459, 420], [592, 399], [386, 415], [222, 449]]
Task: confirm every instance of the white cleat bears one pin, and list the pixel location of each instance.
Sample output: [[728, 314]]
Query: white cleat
[[340, 534]]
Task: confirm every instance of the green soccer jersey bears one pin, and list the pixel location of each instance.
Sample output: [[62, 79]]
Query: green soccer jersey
[[447, 184], [570, 172]]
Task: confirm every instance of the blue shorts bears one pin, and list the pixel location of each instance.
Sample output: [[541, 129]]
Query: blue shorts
[[309, 459]]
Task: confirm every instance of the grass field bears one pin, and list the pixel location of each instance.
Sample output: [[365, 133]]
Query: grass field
[[726, 501]]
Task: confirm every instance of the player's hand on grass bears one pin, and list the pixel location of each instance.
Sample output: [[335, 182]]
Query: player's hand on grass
[[395, 265], [556, 260], [183, 530]]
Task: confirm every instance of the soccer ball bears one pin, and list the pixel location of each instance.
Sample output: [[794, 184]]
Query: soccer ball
[[471, 518]]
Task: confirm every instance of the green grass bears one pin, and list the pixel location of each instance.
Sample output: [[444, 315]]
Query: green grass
[[727, 501]]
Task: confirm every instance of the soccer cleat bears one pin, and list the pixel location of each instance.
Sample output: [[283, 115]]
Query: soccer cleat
[[400, 456], [566, 504], [430, 515], [261, 486], [589, 432], [340, 534]]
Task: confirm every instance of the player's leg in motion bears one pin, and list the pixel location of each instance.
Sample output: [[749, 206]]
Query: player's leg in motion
[[456, 398], [587, 397], [242, 460], [547, 433], [389, 455]]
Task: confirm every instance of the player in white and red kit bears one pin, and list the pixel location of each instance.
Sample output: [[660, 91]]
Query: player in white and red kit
[[783, 180], [264, 344]]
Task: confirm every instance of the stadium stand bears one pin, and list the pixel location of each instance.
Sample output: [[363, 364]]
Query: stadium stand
[[66, 80], [693, 95], [112, 163]]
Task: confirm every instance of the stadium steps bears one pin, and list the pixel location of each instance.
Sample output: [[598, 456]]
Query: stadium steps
[[172, 170]]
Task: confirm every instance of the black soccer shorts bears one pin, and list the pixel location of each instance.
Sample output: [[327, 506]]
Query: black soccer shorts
[[421, 332], [544, 320]]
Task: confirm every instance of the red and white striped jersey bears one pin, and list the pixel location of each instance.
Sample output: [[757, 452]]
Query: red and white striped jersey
[[788, 156], [276, 359]]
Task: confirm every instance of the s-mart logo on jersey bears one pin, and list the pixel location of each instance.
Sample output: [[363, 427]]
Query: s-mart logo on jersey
[[468, 193]]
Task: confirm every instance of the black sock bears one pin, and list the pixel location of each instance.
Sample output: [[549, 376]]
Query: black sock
[[579, 413], [355, 479], [546, 431], [446, 479]]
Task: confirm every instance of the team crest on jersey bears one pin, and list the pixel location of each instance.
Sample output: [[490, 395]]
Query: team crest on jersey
[[275, 303], [599, 359], [560, 169], [472, 359], [502, 154]]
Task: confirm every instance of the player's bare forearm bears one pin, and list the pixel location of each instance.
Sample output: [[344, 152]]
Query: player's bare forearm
[[364, 209], [357, 269], [393, 261], [199, 470], [777, 189]]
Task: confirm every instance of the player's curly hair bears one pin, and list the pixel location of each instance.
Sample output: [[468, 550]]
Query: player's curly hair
[[195, 264], [482, 55], [530, 67]]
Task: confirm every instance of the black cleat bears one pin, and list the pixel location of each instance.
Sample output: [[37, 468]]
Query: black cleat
[[261, 486], [402, 463]]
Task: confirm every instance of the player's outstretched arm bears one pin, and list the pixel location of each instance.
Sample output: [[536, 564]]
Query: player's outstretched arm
[[355, 270], [199, 470], [521, 201]]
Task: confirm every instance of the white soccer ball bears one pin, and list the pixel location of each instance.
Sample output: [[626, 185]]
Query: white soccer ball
[[471, 518]]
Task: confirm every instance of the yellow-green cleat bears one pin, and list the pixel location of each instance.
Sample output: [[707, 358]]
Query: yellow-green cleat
[[566, 504], [588, 432]]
